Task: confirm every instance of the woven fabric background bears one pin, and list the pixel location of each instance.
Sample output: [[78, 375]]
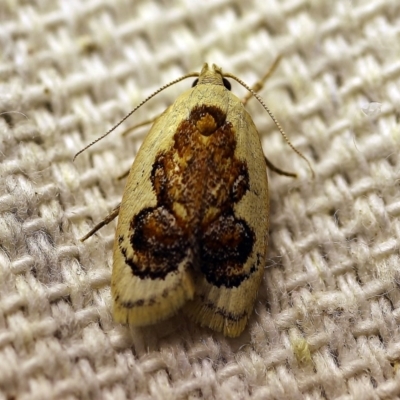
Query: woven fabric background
[[326, 323]]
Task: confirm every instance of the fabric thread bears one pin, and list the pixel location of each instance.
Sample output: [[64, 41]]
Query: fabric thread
[[326, 322]]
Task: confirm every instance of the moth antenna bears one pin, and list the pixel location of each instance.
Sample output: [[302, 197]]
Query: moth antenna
[[260, 100], [190, 75]]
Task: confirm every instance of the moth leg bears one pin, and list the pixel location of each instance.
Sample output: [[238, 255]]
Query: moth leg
[[144, 123], [260, 84], [105, 221], [124, 175], [278, 170], [257, 87], [129, 130]]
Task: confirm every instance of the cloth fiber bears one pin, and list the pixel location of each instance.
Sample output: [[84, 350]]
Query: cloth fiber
[[326, 320]]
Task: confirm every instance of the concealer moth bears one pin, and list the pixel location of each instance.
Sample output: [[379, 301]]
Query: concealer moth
[[192, 229]]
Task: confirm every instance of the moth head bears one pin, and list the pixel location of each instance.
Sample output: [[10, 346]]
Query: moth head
[[213, 76]]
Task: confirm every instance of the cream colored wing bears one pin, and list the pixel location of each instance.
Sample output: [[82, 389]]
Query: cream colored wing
[[233, 248], [151, 276]]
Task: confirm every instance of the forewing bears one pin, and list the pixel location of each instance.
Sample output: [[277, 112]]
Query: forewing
[[151, 276], [233, 247]]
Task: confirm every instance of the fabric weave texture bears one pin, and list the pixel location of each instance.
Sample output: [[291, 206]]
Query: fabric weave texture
[[326, 321]]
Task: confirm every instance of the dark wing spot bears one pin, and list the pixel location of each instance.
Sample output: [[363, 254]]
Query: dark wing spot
[[225, 247], [241, 183], [221, 311], [158, 242]]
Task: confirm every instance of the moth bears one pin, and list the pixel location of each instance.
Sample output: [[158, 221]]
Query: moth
[[192, 229]]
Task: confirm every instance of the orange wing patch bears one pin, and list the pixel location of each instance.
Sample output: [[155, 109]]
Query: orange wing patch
[[197, 183]]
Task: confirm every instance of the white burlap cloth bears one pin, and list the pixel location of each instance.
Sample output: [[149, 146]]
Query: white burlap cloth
[[326, 321]]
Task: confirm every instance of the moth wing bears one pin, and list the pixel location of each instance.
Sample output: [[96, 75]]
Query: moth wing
[[142, 292], [141, 302], [227, 308]]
